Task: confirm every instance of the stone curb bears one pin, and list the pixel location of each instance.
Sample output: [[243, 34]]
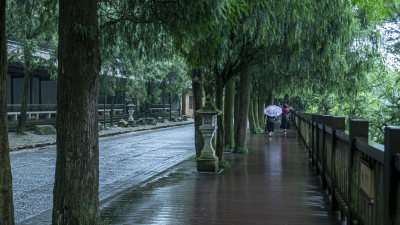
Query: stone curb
[[102, 136]]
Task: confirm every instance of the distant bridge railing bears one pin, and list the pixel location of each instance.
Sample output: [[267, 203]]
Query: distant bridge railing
[[362, 178], [48, 111]]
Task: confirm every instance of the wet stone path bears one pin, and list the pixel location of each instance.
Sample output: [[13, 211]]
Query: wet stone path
[[125, 161], [274, 184]]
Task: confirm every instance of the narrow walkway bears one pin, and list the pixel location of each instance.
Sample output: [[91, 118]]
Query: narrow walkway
[[274, 184]]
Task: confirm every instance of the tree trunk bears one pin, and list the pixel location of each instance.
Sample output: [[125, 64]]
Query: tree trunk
[[198, 101], [261, 107], [228, 112], [271, 98], [112, 111], [240, 137], [180, 106], [104, 110], [251, 116], [24, 99], [220, 118], [255, 113], [6, 196], [170, 107], [236, 114], [184, 103], [163, 99], [75, 195]]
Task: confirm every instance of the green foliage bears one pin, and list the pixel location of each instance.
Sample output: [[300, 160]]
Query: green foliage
[[193, 159], [33, 27], [228, 147], [224, 164], [242, 150], [106, 221]]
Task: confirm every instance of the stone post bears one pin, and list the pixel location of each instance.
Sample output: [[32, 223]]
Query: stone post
[[208, 161], [131, 121]]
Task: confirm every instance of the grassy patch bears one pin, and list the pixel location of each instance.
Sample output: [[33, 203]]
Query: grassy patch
[[106, 221], [224, 164], [194, 158], [228, 147], [243, 150]]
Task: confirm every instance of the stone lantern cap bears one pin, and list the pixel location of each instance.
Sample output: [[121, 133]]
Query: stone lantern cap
[[130, 104], [208, 108]]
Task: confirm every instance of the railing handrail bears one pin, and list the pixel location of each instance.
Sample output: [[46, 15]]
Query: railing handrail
[[371, 149], [52, 107], [360, 176]]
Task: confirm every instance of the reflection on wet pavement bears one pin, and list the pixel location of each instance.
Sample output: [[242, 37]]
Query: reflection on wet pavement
[[274, 184], [125, 160]]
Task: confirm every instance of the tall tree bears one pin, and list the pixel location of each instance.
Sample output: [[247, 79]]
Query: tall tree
[[76, 185], [228, 113], [6, 196], [197, 104], [240, 135]]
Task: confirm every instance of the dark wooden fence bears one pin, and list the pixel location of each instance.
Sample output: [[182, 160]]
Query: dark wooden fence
[[362, 178]]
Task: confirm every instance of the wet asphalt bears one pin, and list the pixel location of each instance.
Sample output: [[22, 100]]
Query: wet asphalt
[[125, 161], [274, 184]]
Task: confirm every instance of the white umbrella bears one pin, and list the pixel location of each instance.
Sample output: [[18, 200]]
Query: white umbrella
[[273, 110]]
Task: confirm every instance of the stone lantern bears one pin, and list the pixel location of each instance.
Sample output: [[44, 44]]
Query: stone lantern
[[130, 105], [208, 161]]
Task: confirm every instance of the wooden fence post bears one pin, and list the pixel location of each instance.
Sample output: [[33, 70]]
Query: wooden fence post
[[391, 177], [338, 123], [313, 139], [317, 149], [327, 121], [357, 128]]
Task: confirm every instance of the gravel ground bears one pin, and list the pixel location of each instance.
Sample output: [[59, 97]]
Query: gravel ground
[[31, 140]]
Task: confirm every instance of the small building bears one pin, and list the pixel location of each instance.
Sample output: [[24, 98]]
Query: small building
[[189, 106]]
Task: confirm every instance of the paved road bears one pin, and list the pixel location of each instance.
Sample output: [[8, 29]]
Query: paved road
[[125, 161]]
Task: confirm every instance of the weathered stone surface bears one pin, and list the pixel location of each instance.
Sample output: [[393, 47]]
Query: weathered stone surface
[[207, 165], [173, 119], [151, 121], [123, 123], [44, 129], [141, 121], [100, 127]]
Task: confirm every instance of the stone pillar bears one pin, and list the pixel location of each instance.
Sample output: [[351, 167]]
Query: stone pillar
[[208, 161], [131, 121], [391, 177]]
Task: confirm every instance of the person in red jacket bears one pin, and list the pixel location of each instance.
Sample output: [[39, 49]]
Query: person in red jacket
[[285, 118]]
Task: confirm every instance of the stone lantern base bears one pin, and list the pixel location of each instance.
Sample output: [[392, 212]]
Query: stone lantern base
[[207, 164]]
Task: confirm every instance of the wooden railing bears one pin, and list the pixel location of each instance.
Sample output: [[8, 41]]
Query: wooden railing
[[362, 178]]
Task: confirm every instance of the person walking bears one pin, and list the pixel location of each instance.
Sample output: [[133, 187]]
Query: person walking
[[269, 121], [285, 118]]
